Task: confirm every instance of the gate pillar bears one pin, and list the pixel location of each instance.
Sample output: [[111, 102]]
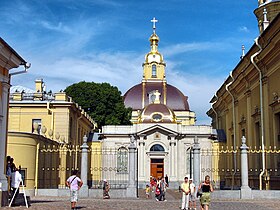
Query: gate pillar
[[246, 192], [131, 190], [196, 162], [84, 168]]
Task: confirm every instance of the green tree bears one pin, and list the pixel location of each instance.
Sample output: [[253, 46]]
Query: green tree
[[101, 101]]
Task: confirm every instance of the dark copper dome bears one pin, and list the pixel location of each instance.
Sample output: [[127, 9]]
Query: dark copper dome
[[175, 99]]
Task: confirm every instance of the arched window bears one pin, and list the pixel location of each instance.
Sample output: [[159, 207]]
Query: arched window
[[154, 70], [157, 148], [122, 160]]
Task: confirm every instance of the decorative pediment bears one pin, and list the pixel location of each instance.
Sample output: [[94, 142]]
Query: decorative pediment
[[157, 129]]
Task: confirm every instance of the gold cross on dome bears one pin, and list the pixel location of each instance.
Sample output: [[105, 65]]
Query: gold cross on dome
[[154, 21]]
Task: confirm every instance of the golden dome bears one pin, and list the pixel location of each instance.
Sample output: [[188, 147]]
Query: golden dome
[[154, 38]]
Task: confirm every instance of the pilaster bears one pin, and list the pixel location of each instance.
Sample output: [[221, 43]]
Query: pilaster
[[196, 162], [172, 160], [266, 116], [249, 118], [142, 158]]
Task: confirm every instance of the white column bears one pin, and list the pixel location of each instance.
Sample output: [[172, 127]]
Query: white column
[[172, 157], [142, 157], [176, 159], [196, 162], [84, 168], [3, 131]]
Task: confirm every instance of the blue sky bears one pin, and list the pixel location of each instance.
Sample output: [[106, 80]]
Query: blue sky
[[68, 41]]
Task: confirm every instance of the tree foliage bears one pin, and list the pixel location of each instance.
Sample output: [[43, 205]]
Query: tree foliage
[[101, 101]]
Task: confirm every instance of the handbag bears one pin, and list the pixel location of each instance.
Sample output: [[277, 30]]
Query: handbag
[[198, 194]]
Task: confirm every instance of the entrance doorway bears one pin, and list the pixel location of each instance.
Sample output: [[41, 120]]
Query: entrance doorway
[[157, 168]]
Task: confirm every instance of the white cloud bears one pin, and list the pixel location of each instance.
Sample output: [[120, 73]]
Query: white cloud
[[199, 89], [243, 29], [121, 69], [59, 27], [196, 46]]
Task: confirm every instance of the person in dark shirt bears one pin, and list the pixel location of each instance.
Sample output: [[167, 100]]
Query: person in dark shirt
[[166, 180], [205, 187]]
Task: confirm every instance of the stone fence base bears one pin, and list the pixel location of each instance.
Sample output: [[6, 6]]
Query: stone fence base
[[236, 194], [125, 193], [92, 193]]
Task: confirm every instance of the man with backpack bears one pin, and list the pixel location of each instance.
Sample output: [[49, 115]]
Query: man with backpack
[[74, 183]]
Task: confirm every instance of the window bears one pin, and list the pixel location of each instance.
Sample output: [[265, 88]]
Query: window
[[122, 159], [258, 135], [157, 117], [154, 70], [157, 148], [36, 126]]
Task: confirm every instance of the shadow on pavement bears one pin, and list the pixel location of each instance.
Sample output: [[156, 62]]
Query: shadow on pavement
[[80, 207], [41, 201]]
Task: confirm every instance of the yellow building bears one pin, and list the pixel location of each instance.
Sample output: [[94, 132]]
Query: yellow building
[[45, 134], [241, 107], [9, 59], [95, 160]]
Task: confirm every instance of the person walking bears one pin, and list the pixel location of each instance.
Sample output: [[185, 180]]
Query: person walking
[[185, 187], [9, 172], [206, 187], [106, 189], [158, 190], [192, 203], [15, 183], [74, 183], [166, 180], [163, 187], [153, 184]]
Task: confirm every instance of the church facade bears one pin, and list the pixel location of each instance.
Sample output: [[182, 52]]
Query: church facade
[[162, 124]]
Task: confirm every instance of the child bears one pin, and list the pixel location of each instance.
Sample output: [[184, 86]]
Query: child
[[148, 190]]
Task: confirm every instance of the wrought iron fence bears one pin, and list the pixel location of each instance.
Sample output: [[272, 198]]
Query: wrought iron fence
[[224, 167], [57, 162], [110, 164], [221, 165], [271, 178]]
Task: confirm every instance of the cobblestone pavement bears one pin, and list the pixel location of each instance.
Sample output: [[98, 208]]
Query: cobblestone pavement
[[173, 202]]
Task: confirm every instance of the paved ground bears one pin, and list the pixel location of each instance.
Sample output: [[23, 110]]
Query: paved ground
[[173, 202]]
